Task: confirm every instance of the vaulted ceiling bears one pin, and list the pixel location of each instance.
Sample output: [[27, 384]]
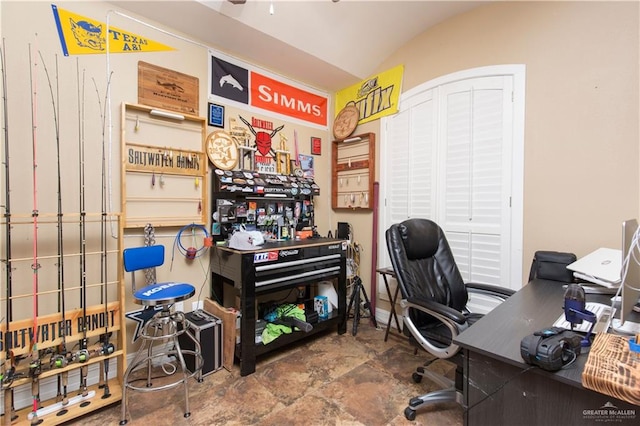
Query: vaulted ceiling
[[326, 44]]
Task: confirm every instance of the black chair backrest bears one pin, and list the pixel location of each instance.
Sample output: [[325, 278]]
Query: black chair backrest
[[552, 265], [423, 263]]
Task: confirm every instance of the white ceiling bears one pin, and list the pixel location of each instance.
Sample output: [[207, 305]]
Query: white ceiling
[[324, 43]]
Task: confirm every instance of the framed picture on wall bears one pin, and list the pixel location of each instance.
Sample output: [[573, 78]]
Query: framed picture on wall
[[216, 115], [316, 145], [306, 164]]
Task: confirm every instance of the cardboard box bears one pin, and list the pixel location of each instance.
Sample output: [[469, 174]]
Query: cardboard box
[[228, 317]]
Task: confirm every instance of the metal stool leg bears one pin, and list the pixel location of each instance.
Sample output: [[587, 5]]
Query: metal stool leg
[[185, 376], [165, 330]]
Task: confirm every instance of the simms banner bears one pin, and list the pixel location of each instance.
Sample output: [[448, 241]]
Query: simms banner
[[276, 96], [375, 97], [232, 81], [84, 36]]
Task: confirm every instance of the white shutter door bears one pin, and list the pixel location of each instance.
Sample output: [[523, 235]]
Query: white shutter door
[[421, 160], [397, 167], [474, 195], [410, 152]]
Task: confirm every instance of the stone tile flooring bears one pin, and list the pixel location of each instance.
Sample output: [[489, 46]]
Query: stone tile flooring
[[328, 379]]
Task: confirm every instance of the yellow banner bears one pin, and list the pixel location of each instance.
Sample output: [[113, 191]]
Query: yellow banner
[[84, 36], [375, 97]]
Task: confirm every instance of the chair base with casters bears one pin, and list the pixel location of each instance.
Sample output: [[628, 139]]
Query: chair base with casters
[[161, 332], [450, 392], [438, 342]]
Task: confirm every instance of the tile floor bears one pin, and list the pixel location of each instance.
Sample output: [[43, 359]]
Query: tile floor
[[328, 379]]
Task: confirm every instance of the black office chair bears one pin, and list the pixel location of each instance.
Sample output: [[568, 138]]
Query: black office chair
[[434, 299]]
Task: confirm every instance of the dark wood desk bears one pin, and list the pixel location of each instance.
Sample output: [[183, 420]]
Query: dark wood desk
[[277, 266], [501, 389]]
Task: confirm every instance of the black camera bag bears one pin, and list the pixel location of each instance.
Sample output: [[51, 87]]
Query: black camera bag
[[551, 348]]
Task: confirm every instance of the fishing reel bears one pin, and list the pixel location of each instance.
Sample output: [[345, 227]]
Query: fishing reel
[[106, 348], [35, 368], [59, 361], [82, 356], [7, 377]]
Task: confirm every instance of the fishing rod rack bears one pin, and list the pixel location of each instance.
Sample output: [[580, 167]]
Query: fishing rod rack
[[103, 320]]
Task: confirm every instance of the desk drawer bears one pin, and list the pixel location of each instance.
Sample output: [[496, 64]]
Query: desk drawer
[[297, 271]]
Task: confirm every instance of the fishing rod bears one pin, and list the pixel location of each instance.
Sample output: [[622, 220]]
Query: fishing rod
[[35, 365], [60, 360], [8, 366], [107, 347], [64, 356], [83, 354]]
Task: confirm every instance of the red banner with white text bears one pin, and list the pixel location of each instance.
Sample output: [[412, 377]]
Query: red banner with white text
[[276, 96]]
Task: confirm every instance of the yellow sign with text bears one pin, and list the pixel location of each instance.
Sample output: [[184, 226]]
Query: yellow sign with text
[[83, 36], [375, 97]]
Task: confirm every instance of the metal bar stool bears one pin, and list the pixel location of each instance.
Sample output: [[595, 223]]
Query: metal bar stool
[[164, 327]]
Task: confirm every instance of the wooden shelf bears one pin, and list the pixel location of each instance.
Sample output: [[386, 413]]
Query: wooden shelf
[[75, 410], [98, 319], [164, 167], [353, 172]]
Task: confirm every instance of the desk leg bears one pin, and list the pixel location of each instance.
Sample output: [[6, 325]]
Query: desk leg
[[392, 313]]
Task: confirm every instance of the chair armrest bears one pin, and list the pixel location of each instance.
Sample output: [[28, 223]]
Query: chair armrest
[[490, 290], [437, 309], [452, 319]]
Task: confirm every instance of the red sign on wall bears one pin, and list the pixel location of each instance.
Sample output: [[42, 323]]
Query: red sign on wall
[[279, 97]]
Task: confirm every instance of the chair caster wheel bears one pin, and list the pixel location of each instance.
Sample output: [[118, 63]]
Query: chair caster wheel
[[123, 422], [186, 415], [409, 414], [417, 378]]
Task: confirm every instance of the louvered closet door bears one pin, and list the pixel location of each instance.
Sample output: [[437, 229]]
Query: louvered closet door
[[474, 169], [410, 155]]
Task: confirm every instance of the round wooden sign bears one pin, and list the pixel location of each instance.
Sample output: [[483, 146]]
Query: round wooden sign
[[346, 122], [222, 150]]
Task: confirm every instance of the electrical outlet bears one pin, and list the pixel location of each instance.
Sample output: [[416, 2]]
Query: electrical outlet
[[197, 305], [163, 359], [178, 307]]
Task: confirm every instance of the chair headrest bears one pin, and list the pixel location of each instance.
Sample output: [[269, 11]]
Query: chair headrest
[[420, 238]]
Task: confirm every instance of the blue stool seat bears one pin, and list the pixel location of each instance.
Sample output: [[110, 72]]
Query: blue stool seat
[[165, 293]]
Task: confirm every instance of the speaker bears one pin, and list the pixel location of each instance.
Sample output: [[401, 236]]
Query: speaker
[[343, 231], [207, 330]]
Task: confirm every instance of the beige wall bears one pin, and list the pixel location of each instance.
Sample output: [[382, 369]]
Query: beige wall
[[21, 21], [581, 115], [581, 123]]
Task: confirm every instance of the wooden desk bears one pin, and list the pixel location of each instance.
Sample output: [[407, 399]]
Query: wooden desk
[[275, 267], [392, 299], [500, 388]]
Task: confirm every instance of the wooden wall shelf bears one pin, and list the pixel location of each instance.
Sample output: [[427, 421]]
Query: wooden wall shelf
[[353, 171], [164, 167]]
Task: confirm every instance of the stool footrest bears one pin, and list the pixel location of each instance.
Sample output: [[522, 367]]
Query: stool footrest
[[164, 328]]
